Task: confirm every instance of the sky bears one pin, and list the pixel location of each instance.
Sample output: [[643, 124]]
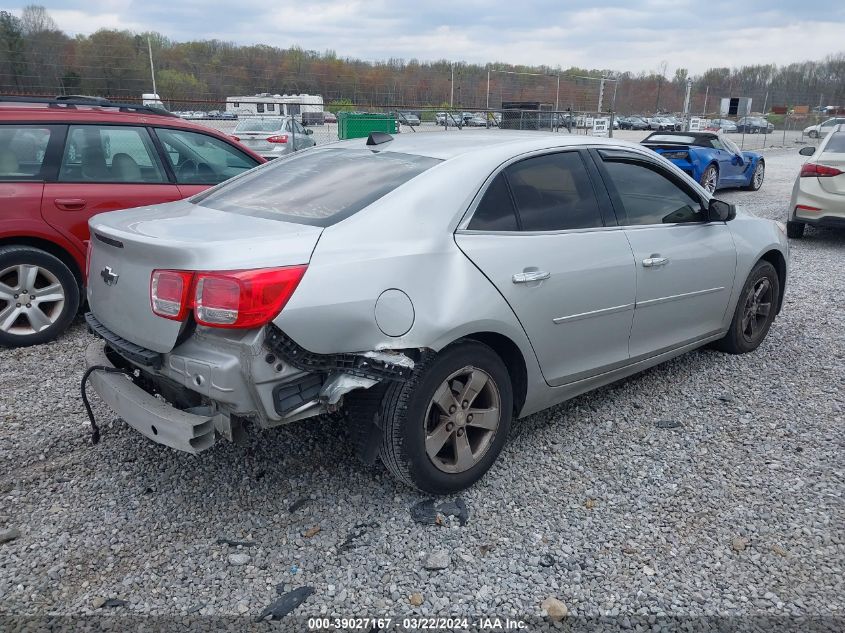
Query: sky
[[633, 35]]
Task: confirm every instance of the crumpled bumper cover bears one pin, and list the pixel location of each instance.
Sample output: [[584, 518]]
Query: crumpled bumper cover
[[151, 416]]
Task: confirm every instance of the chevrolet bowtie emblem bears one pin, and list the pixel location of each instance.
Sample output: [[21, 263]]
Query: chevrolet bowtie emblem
[[109, 276]]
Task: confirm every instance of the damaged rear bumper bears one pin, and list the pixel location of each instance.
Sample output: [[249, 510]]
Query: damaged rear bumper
[[186, 431]]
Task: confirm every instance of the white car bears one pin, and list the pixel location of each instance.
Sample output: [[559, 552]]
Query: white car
[[815, 131], [818, 196]]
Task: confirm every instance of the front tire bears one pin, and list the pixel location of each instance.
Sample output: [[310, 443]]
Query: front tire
[[445, 426], [710, 178], [754, 312], [39, 296], [757, 177], [795, 230]]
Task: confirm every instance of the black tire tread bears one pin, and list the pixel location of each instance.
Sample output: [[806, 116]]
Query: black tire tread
[[795, 230], [730, 342]]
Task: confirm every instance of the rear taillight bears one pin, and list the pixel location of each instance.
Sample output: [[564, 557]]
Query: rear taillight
[[805, 208], [170, 293], [244, 298], [234, 138], [226, 299], [278, 138], [819, 171]]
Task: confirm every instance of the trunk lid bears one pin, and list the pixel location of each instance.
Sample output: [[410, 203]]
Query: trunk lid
[[833, 184], [257, 141], [128, 245]]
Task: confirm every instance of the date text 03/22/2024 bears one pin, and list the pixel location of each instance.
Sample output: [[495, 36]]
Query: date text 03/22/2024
[[415, 624]]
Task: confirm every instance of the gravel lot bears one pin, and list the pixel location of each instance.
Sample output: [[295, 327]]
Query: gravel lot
[[734, 512]]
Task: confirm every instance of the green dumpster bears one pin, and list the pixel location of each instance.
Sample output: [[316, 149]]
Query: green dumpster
[[360, 124]]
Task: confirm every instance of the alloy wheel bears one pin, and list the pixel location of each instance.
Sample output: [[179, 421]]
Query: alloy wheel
[[759, 173], [758, 305], [462, 419], [31, 299], [711, 177]]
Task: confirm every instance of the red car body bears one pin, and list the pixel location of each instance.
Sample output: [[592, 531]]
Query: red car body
[[53, 215]]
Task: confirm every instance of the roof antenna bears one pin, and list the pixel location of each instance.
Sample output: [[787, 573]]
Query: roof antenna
[[377, 138]]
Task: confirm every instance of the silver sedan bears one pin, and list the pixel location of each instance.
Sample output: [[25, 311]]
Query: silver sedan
[[435, 287]]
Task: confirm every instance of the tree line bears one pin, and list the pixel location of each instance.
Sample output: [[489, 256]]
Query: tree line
[[37, 57]]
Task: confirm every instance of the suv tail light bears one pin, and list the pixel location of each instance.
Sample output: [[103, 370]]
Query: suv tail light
[[169, 293], [226, 299], [819, 171], [278, 138]]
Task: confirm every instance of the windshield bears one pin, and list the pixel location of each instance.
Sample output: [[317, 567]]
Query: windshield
[[671, 138], [260, 125], [318, 187]]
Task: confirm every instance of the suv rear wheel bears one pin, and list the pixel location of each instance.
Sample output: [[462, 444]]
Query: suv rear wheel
[[445, 426], [39, 296]]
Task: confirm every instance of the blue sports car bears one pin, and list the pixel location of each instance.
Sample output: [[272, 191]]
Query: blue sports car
[[711, 159]]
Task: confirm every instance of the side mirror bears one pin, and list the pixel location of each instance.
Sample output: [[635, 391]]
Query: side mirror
[[308, 130], [807, 151], [720, 211]]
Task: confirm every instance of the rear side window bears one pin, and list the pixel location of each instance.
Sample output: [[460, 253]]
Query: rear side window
[[113, 153], [22, 150], [200, 159], [553, 193], [256, 124], [836, 144], [317, 187], [650, 197], [495, 212]]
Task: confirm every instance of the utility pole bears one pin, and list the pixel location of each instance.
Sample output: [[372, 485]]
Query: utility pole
[[706, 94], [687, 104], [557, 94], [601, 95], [452, 88], [152, 69], [488, 89]]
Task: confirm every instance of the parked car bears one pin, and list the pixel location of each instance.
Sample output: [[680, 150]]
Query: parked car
[[661, 123], [476, 120], [821, 129], [449, 119], [754, 125], [721, 125], [818, 196], [407, 118], [633, 123], [328, 117], [62, 162], [306, 286], [710, 159], [272, 137]]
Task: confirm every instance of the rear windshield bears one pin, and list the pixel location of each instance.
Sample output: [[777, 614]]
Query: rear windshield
[[836, 144], [318, 187], [259, 125]]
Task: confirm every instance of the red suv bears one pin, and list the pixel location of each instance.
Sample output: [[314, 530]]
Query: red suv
[[63, 160]]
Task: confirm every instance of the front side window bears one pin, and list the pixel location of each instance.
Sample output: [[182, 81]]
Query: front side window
[[317, 187], [200, 159], [649, 196], [113, 153], [22, 150], [553, 193]]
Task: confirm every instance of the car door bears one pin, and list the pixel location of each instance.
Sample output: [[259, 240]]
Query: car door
[[543, 233], [198, 161], [104, 168], [685, 265], [732, 170]]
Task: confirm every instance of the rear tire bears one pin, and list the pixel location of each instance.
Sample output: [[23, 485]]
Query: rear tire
[[49, 304], [710, 179], [437, 451], [795, 230], [755, 311]]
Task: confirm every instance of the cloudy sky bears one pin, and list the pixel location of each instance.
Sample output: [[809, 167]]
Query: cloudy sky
[[612, 34]]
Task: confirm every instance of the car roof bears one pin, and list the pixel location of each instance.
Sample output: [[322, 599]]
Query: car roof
[[445, 145], [46, 113], [695, 135]]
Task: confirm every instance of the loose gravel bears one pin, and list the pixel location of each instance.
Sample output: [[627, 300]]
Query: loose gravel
[[735, 508]]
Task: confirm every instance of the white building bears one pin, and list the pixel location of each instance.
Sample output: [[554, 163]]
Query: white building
[[266, 103]]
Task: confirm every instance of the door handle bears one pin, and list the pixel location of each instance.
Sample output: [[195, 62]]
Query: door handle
[[70, 204], [533, 275], [655, 260]]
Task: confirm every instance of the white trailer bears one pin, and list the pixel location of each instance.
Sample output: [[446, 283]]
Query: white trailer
[[270, 104]]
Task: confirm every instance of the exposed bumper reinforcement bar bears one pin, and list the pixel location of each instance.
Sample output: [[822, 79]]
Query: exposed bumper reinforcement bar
[[159, 421], [376, 366]]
